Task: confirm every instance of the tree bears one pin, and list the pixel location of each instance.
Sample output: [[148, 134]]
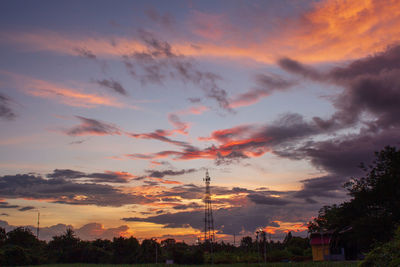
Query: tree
[[246, 243], [65, 248], [126, 250], [374, 209]]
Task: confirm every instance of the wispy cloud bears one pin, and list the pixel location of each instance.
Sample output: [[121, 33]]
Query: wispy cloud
[[92, 127], [5, 110], [113, 85], [61, 93]]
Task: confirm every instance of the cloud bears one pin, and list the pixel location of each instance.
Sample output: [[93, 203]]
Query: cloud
[[104, 177], [76, 97], [90, 231], [314, 32], [266, 84], [160, 135], [92, 127], [194, 110], [113, 85], [246, 218], [294, 66], [161, 174], [371, 87], [329, 186], [63, 191], [26, 208], [244, 141], [266, 200], [85, 53], [159, 61], [5, 110], [194, 100], [164, 20], [180, 127], [6, 205], [192, 205]]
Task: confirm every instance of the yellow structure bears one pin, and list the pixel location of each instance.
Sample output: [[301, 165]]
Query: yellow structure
[[319, 251], [320, 245]]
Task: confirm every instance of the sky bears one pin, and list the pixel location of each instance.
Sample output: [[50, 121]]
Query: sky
[[111, 112]]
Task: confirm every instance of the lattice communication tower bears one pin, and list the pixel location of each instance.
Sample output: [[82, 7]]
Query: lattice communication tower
[[208, 214]]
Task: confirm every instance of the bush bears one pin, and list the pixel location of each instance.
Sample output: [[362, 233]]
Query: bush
[[387, 254], [15, 255]]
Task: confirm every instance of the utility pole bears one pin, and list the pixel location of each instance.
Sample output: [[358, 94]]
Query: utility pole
[[258, 246], [155, 241], [37, 229], [264, 235]]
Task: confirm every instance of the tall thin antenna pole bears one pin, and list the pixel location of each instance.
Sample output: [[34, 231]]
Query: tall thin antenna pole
[[37, 229]]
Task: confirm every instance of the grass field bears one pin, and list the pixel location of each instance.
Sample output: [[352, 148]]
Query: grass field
[[300, 264]]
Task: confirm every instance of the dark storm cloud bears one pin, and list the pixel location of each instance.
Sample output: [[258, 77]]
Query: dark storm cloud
[[342, 156], [161, 174], [92, 127], [108, 176], [5, 110], [64, 191], [85, 53], [266, 200], [375, 64], [159, 62], [371, 86], [26, 208], [113, 85], [327, 186]]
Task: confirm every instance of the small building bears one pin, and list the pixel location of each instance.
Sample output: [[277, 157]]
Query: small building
[[320, 245], [327, 246]]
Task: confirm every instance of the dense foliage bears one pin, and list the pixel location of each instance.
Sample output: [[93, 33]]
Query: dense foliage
[[387, 254], [21, 247], [371, 216]]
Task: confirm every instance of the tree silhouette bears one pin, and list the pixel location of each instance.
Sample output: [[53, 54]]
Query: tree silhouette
[[373, 212]]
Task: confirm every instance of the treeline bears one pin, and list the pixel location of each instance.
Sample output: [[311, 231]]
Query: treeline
[[21, 247]]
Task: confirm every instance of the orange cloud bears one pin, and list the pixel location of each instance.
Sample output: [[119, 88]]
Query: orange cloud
[[340, 30], [66, 95], [330, 31], [285, 227]]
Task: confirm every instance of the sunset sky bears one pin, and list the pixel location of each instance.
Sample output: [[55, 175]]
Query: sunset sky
[[112, 111]]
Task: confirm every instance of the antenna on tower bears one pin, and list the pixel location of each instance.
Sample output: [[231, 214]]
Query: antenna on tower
[[37, 229], [208, 216]]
